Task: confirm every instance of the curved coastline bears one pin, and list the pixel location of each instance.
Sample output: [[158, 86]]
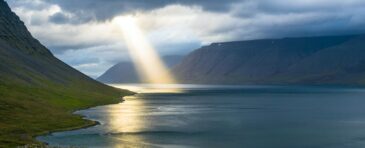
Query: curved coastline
[[91, 122]]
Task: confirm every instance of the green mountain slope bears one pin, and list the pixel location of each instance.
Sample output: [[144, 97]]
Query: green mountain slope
[[38, 92]]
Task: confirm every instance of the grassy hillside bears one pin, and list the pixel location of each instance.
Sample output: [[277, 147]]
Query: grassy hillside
[[38, 92], [27, 111]]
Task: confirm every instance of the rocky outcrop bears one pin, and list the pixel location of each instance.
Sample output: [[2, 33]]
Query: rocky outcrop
[[14, 32], [24, 58]]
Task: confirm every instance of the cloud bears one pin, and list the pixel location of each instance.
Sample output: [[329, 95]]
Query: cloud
[[82, 32], [94, 60], [108, 9]]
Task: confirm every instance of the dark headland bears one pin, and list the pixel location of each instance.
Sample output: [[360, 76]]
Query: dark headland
[[329, 60]]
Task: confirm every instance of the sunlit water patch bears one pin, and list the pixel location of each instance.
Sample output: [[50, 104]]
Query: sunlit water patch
[[225, 116]]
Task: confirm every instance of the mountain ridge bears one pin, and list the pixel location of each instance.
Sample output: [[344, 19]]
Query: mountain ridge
[[126, 72], [267, 61]]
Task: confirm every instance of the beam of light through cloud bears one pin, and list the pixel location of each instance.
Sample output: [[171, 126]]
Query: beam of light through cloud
[[186, 25], [149, 65]]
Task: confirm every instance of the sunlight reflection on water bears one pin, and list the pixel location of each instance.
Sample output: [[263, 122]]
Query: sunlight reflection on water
[[151, 88], [125, 117], [225, 116]]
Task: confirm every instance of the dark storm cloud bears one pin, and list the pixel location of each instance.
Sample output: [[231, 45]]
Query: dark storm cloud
[[107, 9], [278, 7], [59, 18], [335, 16], [62, 18]]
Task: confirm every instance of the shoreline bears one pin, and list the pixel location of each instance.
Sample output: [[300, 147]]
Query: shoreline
[[91, 123]]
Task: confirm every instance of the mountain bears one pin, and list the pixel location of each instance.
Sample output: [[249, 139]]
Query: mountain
[[303, 60], [122, 72], [125, 72], [38, 92]]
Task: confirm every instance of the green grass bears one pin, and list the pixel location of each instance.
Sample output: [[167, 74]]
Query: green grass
[[38, 92], [27, 111]]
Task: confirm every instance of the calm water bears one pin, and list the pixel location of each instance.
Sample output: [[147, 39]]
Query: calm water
[[226, 116]]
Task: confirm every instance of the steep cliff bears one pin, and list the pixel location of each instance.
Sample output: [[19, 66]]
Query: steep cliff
[[306, 60]]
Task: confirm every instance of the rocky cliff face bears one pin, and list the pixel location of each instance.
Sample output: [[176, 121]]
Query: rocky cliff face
[[24, 57], [308, 60], [14, 32]]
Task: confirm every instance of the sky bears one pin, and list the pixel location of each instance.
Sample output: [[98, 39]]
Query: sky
[[82, 32]]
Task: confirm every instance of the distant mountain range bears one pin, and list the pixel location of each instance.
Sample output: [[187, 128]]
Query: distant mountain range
[[125, 72], [303, 60], [38, 92]]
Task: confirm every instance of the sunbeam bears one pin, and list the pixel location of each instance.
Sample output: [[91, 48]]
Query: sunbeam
[[148, 63]]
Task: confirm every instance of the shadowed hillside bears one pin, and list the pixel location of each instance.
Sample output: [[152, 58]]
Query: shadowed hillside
[[38, 92], [125, 72], [307, 60]]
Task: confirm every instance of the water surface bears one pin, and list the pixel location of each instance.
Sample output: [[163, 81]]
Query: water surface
[[225, 116]]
